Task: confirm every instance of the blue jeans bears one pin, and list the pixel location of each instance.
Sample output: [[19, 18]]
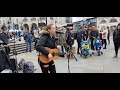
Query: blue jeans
[[28, 46]]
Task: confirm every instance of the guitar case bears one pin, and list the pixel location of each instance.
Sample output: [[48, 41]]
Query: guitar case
[[14, 62]]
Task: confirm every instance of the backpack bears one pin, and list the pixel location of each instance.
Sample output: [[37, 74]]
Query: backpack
[[28, 67], [21, 64]]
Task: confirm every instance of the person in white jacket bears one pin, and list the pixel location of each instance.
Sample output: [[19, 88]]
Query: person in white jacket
[[104, 36]]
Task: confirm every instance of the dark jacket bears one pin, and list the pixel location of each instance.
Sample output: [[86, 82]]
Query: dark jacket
[[85, 34], [70, 38], [45, 41], [28, 37], [79, 36], [116, 35], [5, 62], [94, 34], [3, 37]]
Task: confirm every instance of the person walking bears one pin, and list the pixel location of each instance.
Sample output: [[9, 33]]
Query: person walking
[[79, 39], [105, 36], [93, 34], [116, 40], [108, 37], [28, 40]]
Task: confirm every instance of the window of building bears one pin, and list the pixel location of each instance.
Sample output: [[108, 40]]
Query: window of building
[[33, 19], [3, 21], [43, 18], [25, 19], [51, 18], [9, 18], [16, 20], [68, 20], [103, 22], [113, 20]]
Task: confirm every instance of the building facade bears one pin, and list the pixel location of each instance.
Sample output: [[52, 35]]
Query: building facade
[[86, 21], [28, 23], [110, 22]]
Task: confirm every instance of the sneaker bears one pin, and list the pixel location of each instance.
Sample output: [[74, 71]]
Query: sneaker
[[115, 56]]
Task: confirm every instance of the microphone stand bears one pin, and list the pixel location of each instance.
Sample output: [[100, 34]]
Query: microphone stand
[[69, 53], [14, 54]]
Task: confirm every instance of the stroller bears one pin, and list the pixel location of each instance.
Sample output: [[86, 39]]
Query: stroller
[[97, 43], [85, 48]]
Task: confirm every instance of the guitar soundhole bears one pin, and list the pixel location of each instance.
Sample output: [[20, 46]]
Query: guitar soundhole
[[53, 54]]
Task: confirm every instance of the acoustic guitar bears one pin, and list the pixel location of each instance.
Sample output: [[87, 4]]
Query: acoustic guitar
[[53, 52]]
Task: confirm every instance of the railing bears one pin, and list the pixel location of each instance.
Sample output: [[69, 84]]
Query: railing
[[20, 48]]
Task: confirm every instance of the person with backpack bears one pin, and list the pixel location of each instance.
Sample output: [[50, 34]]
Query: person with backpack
[[47, 39], [116, 40], [79, 39], [28, 40]]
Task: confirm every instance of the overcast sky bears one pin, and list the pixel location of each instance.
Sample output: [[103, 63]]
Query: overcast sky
[[75, 19]]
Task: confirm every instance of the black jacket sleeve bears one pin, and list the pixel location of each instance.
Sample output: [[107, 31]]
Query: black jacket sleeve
[[91, 36], [40, 45], [4, 38], [97, 33], [113, 34]]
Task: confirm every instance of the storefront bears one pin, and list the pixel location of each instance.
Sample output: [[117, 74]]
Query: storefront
[[91, 22], [88, 22], [77, 25]]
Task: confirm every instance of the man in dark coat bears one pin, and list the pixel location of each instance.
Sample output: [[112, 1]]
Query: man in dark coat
[[93, 34], [116, 40], [5, 62]]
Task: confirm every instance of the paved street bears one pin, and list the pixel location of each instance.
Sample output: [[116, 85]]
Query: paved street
[[95, 64]]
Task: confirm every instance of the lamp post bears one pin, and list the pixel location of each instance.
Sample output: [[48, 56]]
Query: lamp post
[[46, 20]]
